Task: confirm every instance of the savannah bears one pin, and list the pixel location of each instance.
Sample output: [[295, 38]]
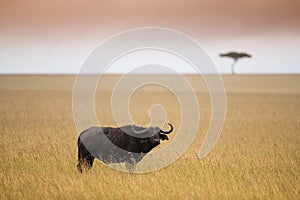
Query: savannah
[[256, 157]]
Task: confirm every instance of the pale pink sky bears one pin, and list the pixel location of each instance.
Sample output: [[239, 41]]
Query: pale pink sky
[[56, 36]]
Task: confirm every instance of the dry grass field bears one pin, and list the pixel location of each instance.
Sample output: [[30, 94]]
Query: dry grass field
[[256, 157]]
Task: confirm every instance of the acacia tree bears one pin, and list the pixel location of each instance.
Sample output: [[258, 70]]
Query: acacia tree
[[235, 56]]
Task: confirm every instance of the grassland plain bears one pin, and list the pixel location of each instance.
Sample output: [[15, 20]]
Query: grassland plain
[[256, 157]]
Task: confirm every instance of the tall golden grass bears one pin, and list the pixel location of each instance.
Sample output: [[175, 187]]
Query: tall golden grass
[[256, 157]]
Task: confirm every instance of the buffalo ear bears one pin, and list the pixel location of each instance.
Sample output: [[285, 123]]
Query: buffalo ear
[[163, 137]]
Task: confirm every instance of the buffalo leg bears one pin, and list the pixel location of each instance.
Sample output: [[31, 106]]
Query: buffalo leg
[[84, 157], [130, 166]]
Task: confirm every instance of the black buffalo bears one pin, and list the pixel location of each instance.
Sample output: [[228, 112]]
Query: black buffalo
[[127, 144]]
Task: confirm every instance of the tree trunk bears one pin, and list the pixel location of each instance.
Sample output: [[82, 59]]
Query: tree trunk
[[232, 67]]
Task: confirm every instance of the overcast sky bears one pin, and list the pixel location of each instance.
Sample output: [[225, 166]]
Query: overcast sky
[[56, 36]]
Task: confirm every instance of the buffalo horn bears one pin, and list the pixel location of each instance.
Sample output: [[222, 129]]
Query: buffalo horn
[[169, 131]]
